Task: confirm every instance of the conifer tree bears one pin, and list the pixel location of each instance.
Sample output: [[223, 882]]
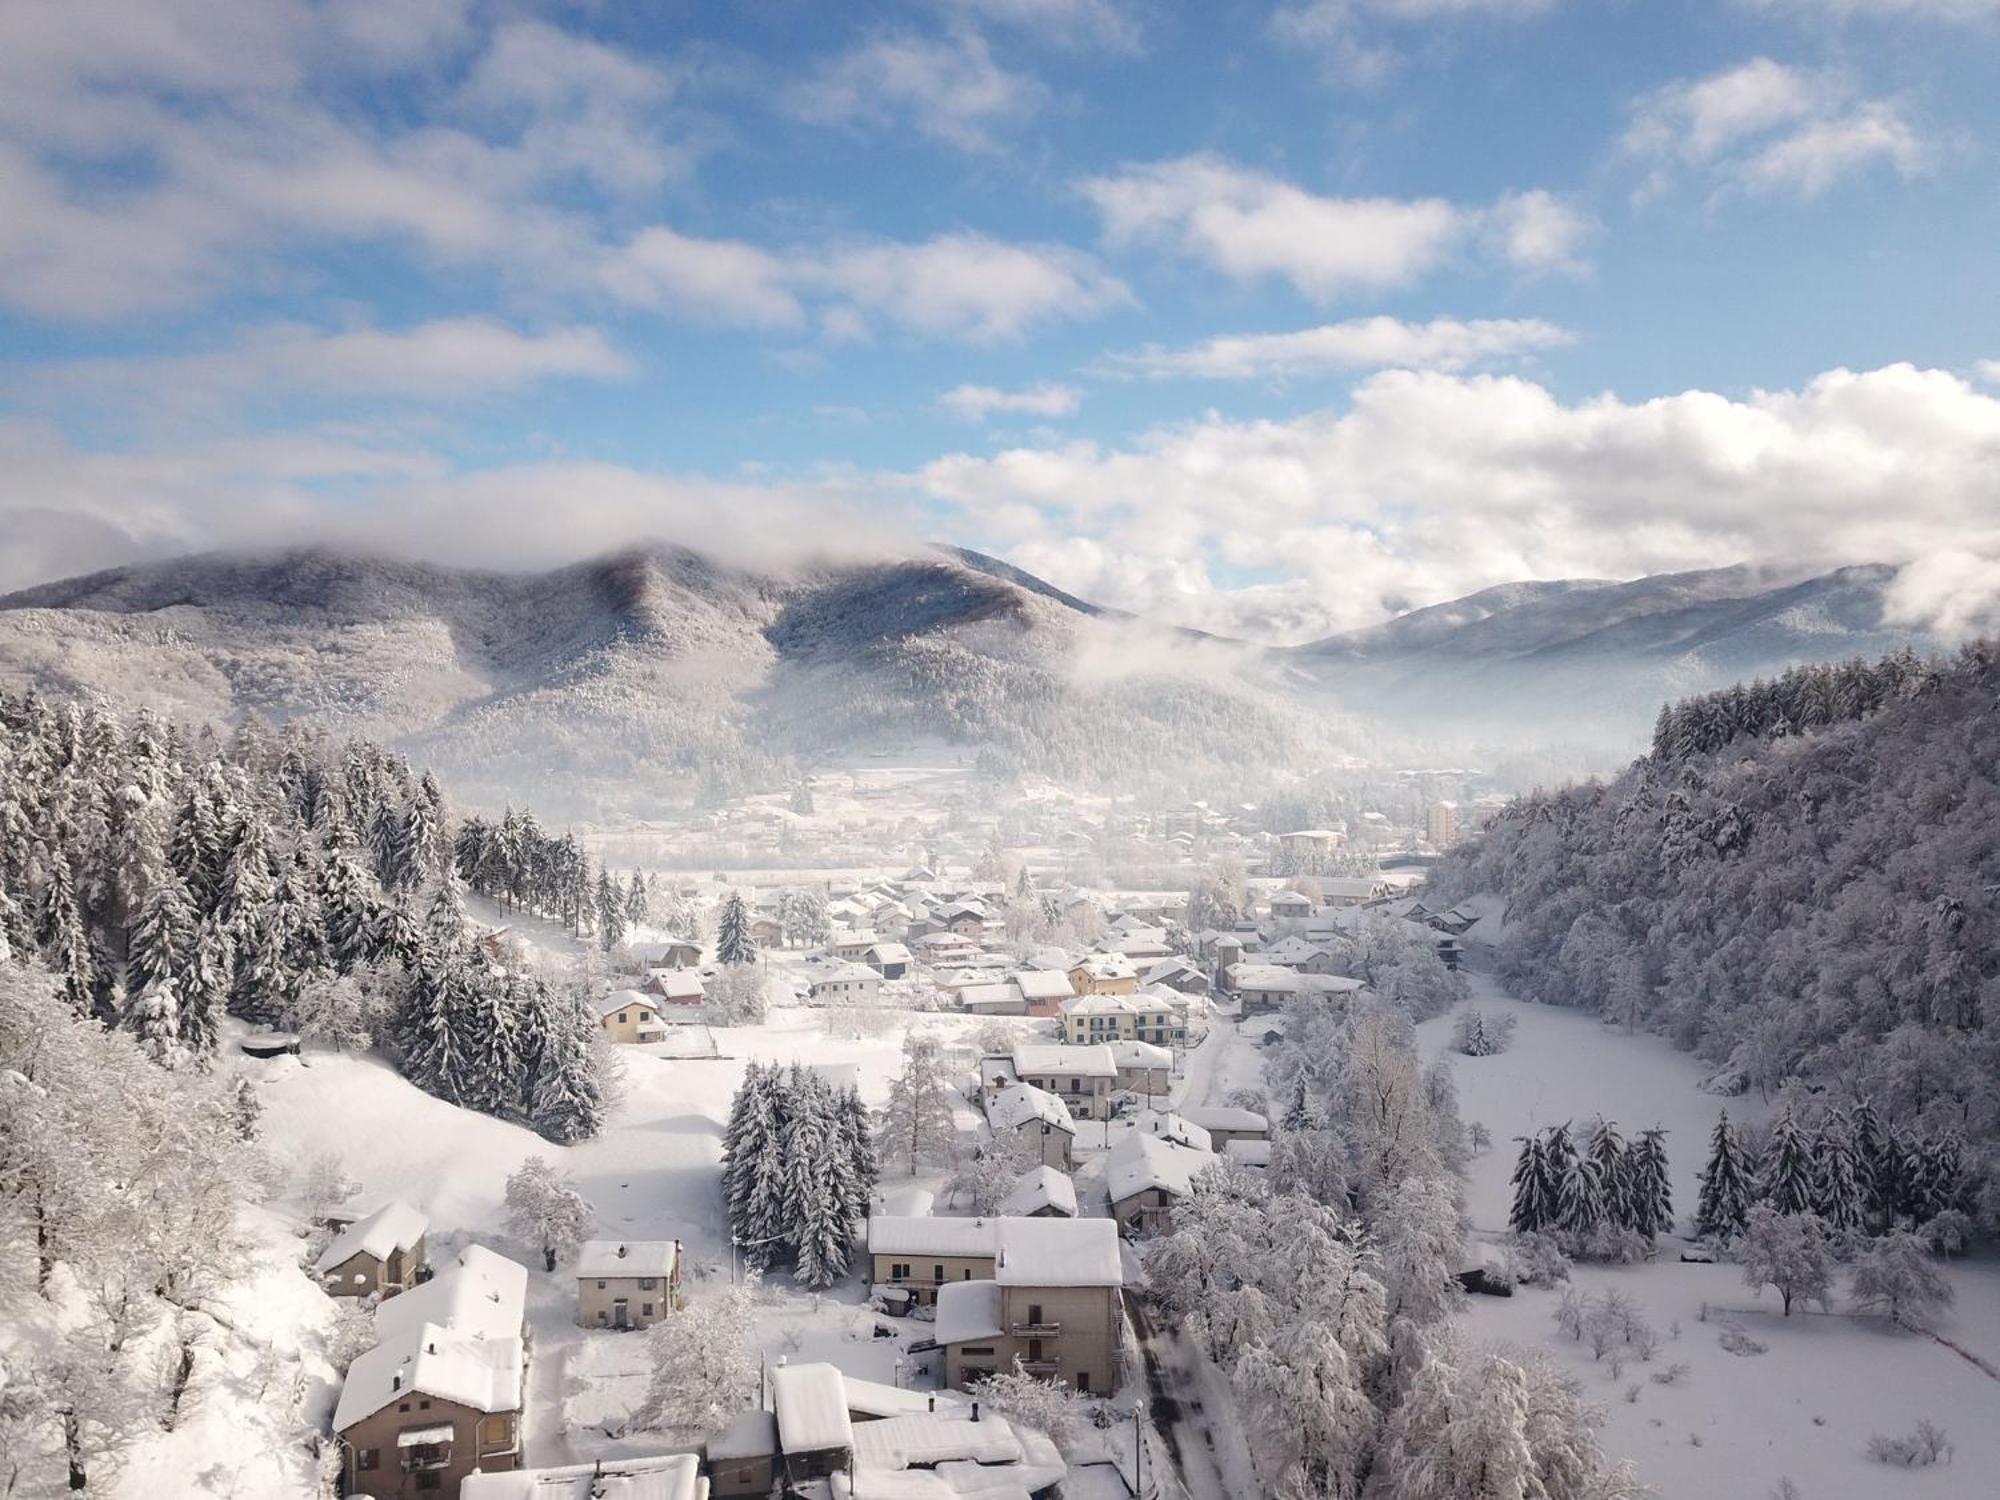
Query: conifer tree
[[1838, 1196], [163, 940], [1609, 1168], [566, 1100], [638, 910], [1727, 1185], [733, 943], [205, 985], [1649, 1192], [610, 901], [1534, 1191], [1788, 1180]]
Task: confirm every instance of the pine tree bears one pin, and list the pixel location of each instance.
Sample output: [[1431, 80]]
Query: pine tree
[[1873, 1167], [155, 1017], [1534, 1191], [733, 942], [427, 1039], [566, 1097], [1788, 1180], [1727, 1185], [1838, 1196], [1650, 1194], [348, 907], [857, 1133], [815, 1196], [1609, 1168], [638, 910], [163, 941], [610, 902]]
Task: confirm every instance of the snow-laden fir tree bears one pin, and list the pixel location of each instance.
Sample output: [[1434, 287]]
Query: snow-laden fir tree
[[1788, 1181], [566, 1088], [610, 903], [818, 1196], [1728, 1184], [1607, 1153], [733, 943], [638, 909], [1648, 1191], [162, 943], [1535, 1188], [1838, 1195]]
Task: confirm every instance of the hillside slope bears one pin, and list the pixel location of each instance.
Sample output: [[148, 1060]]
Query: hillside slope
[[630, 681], [1818, 906]]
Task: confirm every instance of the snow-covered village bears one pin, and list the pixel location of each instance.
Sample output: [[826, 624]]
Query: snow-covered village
[[999, 750]]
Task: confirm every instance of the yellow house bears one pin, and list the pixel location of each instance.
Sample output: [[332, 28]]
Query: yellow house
[[1104, 974], [632, 1016], [1138, 1017]]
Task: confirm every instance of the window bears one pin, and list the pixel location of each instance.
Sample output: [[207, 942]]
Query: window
[[404, 1407], [423, 1406], [366, 1458], [937, 1273], [646, 1283], [1083, 1382], [621, 1018], [899, 1271], [645, 1309], [1034, 1312], [977, 1349], [600, 1286]]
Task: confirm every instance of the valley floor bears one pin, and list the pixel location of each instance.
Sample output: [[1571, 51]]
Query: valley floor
[[1731, 1425]]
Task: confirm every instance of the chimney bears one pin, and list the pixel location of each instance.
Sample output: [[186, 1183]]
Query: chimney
[[932, 1405], [621, 1252], [396, 1381], [431, 1347], [975, 1411]]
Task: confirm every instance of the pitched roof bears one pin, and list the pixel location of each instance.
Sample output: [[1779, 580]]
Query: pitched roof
[[1051, 1057], [1221, 1117], [673, 1476], [1141, 1162], [393, 1226], [478, 1293], [627, 1000], [1040, 1188], [1017, 1104], [431, 1360], [1058, 1252], [910, 1234], [608, 1258], [811, 1402], [1044, 984], [968, 1310]]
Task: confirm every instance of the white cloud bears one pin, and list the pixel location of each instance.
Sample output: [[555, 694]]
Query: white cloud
[[1349, 34], [727, 281], [1070, 23], [1357, 344], [1538, 231], [1249, 225], [1988, 370], [441, 359], [966, 285], [1765, 126], [1432, 485], [1812, 159], [976, 403], [949, 88], [1933, 10]]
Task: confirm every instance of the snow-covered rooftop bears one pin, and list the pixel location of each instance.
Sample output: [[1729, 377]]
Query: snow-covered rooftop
[[1040, 1188], [905, 1202], [619, 1000], [1044, 984], [1248, 1153], [1102, 1005], [478, 1294], [675, 1476], [603, 1259], [1131, 1054], [895, 1234], [1019, 1103], [968, 1310], [1176, 1128], [1221, 1117], [472, 1370], [1112, 965], [393, 1226], [1058, 1252], [811, 1402], [753, 1434], [1139, 1163], [1053, 1057]]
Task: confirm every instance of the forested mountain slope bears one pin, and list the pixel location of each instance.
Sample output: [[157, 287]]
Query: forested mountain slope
[[1801, 883], [622, 683]]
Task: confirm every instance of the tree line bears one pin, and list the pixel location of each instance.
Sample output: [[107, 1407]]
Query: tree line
[[798, 1166]]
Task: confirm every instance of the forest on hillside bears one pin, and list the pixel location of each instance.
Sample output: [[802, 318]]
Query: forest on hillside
[[1798, 885]]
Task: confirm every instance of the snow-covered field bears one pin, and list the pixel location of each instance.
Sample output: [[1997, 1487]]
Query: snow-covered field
[[1733, 1425]]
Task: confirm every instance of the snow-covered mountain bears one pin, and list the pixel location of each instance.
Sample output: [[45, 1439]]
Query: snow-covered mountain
[[1585, 655], [638, 677]]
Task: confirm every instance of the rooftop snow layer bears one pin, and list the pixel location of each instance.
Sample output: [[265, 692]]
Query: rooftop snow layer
[[674, 1476], [603, 1259], [393, 1226], [811, 1401]]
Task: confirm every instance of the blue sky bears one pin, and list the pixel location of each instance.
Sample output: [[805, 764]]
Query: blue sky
[[1273, 318]]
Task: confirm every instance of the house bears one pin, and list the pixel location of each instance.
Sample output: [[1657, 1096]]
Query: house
[[380, 1254], [631, 1016], [838, 982], [1311, 842], [668, 953], [943, 949], [440, 1394], [919, 1254], [1040, 1193], [815, 1434], [766, 930], [996, 997], [672, 1476], [1244, 1152], [1224, 1124], [1269, 986], [1300, 953], [1037, 1116], [1165, 1125], [1052, 1303], [1147, 1176], [1082, 1077], [1134, 1017], [1141, 1068], [1176, 974], [742, 1459], [677, 987], [1140, 944], [1044, 990], [890, 960], [1441, 824], [967, 919], [952, 1450], [1104, 974], [627, 1283], [1352, 890], [1293, 904], [853, 946]]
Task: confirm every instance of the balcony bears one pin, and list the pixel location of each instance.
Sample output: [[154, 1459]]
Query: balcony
[[1041, 1369], [1036, 1330], [422, 1462]]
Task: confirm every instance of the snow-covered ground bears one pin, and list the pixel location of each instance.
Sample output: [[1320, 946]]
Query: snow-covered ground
[[1733, 1424]]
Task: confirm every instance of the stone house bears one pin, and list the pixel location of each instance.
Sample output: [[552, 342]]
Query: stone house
[[627, 1283], [380, 1254]]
